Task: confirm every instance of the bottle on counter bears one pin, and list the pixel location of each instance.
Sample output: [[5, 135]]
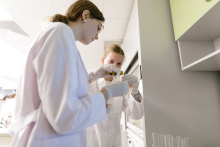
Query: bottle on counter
[[8, 121]]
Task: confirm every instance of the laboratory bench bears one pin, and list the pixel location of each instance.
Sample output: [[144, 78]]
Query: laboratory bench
[[5, 137]]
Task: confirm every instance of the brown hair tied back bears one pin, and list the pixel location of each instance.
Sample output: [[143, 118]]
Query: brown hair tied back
[[60, 18], [75, 11]]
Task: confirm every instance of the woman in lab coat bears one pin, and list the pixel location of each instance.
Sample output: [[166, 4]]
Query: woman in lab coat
[[107, 133], [53, 105]]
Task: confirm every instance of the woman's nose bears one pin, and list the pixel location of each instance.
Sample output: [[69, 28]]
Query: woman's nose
[[116, 65]]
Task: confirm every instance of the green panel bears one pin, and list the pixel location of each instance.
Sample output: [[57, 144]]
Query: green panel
[[187, 12]]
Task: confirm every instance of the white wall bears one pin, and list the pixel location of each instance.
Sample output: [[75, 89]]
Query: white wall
[[180, 103], [131, 40]]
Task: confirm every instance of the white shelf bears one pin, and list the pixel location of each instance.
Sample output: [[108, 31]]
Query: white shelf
[[207, 63], [138, 131], [199, 46], [138, 141]]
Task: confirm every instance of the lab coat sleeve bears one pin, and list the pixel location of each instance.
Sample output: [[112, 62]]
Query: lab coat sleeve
[[56, 69], [92, 87], [132, 108]]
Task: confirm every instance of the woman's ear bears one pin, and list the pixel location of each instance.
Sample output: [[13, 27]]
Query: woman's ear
[[85, 14], [103, 61]]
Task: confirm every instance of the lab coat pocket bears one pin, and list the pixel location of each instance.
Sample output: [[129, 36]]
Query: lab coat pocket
[[67, 141]]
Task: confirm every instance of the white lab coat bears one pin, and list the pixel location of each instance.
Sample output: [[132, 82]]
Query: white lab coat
[[107, 133], [53, 106]]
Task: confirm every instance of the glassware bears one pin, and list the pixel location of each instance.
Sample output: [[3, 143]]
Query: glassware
[[162, 140]]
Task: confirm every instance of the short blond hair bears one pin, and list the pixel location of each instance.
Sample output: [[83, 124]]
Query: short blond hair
[[115, 49]]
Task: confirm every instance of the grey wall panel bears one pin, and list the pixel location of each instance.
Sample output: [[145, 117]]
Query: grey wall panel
[[180, 103]]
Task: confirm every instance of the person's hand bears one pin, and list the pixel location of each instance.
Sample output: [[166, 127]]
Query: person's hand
[[132, 82], [103, 72], [115, 89]]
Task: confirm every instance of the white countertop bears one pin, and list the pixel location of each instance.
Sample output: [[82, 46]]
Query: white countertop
[[4, 132]]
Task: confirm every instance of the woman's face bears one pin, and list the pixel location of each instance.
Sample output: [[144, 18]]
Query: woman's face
[[90, 30], [114, 58]]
